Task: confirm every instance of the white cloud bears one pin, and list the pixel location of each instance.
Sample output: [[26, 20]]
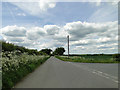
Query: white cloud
[[113, 2], [85, 37], [80, 42], [107, 45], [45, 4], [105, 13], [21, 14], [35, 33], [14, 31], [103, 39], [35, 8], [52, 29], [79, 30], [98, 2], [15, 39]]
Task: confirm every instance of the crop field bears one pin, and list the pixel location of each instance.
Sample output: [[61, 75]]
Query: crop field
[[89, 58], [15, 66]]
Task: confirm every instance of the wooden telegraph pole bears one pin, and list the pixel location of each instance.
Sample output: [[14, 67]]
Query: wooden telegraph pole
[[68, 45]]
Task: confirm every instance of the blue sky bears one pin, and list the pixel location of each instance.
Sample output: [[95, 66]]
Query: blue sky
[[63, 12], [74, 18]]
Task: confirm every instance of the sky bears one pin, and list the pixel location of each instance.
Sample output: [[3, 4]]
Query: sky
[[92, 26]]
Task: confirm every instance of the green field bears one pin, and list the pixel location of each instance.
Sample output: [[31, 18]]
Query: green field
[[89, 58]]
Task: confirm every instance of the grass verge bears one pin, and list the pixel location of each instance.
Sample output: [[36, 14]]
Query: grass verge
[[12, 75], [88, 59]]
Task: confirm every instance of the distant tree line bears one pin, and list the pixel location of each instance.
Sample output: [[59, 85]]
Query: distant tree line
[[12, 47]]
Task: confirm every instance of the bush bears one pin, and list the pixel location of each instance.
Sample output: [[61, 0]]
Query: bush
[[15, 67], [59, 51], [116, 57]]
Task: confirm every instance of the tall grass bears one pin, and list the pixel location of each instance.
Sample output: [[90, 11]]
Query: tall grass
[[15, 67]]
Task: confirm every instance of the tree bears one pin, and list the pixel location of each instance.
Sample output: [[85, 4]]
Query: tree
[[116, 57], [47, 51], [11, 47], [59, 51]]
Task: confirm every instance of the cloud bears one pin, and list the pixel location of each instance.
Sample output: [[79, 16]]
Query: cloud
[[52, 29], [90, 37], [99, 48], [21, 14], [35, 8], [17, 39], [107, 45], [113, 2], [14, 31], [79, 30], [25, 44], [35, 33], [105, 13], [80, 43], [75, 27], [45, 4], [100, 40], [98, 2]]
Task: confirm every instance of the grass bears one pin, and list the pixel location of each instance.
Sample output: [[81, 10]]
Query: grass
[[89, 59], [16, 67]]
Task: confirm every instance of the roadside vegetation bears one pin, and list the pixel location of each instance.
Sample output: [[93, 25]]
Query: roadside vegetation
[[59, 51], [95, 58], [12, 47], [17, 62]]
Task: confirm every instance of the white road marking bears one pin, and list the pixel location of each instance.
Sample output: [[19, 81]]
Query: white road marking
[[99, 73], [105, 75]]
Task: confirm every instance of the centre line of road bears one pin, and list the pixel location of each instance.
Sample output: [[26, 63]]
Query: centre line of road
[[99, 73], [105, 75]]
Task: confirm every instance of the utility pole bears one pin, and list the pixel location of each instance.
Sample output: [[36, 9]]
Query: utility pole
[[68, 45]]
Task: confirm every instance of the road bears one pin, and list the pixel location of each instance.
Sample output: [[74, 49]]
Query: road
[[55, 73]]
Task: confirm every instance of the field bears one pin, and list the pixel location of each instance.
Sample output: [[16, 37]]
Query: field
[[89, 58], [15, 66]]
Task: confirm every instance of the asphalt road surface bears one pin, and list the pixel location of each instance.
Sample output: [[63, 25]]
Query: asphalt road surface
[[55, 73]]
